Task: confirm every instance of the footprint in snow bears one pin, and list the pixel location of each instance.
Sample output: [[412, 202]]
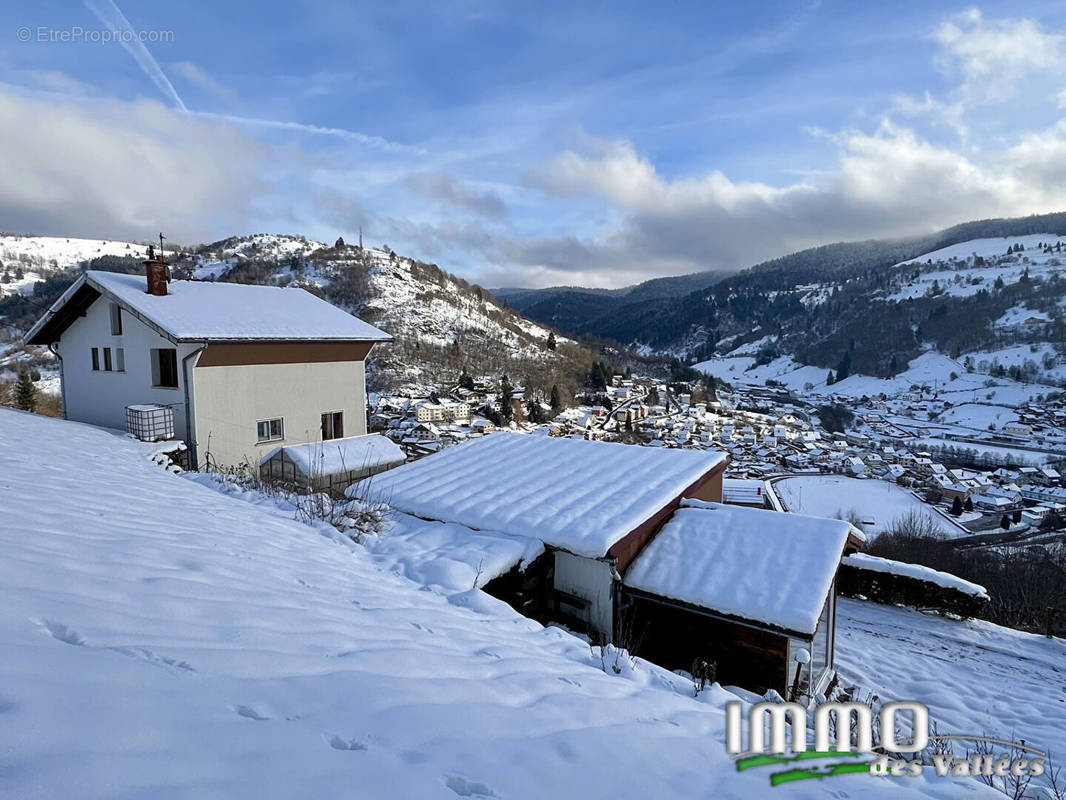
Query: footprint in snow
[[337, 743], [61, 633], [250, 713], [465, 788]]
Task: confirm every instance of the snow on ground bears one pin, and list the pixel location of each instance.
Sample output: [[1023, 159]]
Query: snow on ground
[[160, 639], [976, 678], [998, 453], [994, 246], [1038, 354], [978, 416], [877, 503], [1019, 315], [933, 370], [47, 253], [960, 278]]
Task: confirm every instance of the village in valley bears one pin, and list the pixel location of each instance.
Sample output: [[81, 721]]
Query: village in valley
[[973, 481]]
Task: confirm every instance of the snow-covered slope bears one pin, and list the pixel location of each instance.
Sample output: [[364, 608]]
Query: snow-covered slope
[[160, 639], [40, 256], [427, 310]]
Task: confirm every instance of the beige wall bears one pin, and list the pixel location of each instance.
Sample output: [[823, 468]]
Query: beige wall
[[229, 400]]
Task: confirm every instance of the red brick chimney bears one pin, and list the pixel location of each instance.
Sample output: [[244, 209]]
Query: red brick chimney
[[156, 270]]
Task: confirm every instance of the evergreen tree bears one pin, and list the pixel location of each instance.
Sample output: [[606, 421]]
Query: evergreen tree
[[551, 340], [830, 379], [653, 397], [506, 396], [25, 392], [556, 401], [1017, 515], [956, 507], [1004, 522], [844, 367], [339, 243], [968, 505]]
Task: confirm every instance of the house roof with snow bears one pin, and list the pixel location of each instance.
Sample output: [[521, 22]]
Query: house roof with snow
[[197, 311], [762, 566], [337, 456], [577, 495]]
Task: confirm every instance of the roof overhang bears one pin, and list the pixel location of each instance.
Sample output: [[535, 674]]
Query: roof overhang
[[71, 305], [710, 612]]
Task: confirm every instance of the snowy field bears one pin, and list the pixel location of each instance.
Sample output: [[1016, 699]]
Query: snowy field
[[879, 502], [931, 370], [975, 677], [997, 453], [966, 280], [160, 639]]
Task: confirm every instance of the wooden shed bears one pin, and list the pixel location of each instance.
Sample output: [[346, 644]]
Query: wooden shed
[[743, 589]]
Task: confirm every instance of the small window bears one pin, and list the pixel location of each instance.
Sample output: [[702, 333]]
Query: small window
[[96, 359], [165, 367], [116, 319], [268, 430], [120, 360], [107, 359], [333, 425]]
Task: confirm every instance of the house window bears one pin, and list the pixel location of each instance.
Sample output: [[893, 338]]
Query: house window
[[96, 359], [120, 360], [116, 319], [107, 359], [268, 430], [332, 425], [165, 367]]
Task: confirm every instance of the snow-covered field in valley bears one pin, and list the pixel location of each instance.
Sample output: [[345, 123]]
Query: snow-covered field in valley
[[877, 503], [161, 639]]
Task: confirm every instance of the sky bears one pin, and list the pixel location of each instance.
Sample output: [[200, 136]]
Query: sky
[[531, 143]]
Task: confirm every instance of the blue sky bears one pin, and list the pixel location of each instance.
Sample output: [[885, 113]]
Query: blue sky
[[532, 143]]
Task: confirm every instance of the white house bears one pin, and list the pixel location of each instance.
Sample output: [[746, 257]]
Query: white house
[[239, 369]]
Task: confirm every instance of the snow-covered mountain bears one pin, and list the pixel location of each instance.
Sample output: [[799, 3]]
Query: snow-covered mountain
[[981, 320], [441, 324], [24, 260]]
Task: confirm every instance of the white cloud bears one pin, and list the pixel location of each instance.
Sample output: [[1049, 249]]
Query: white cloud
[[991, 57], [889, 182], [117, 169], [199, 78]]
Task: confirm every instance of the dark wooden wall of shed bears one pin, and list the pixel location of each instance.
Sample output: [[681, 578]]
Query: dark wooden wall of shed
[[674, 637]]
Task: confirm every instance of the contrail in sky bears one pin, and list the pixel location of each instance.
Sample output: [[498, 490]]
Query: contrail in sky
[[110, 14]]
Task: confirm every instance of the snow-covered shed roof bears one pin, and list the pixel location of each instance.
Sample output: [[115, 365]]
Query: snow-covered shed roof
[[916, 571], [581, 496], [336, 456], [763, 566], [208, 311]]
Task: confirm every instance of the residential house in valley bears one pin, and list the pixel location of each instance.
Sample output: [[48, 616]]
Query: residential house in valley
[[233, 370]]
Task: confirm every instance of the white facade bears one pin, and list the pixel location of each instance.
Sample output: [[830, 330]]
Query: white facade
[[593, 581], [100, 397], [232, 399]]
